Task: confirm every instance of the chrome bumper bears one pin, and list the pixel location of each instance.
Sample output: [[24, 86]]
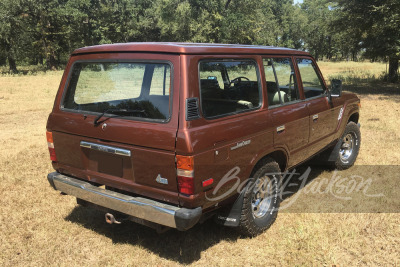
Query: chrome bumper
[[150, 210]]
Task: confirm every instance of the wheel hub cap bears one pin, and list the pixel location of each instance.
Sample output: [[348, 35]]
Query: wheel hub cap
[[346, 150], [261, 201]]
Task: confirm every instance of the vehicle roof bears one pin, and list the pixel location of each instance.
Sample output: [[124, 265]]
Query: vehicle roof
[[188, 48]]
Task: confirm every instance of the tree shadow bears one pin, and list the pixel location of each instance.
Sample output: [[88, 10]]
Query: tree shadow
[[368, 84], [375, 88], [27, 70], [182, 247]]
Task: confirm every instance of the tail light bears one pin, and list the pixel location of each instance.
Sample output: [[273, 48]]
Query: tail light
[[50, 144], [185, 174]]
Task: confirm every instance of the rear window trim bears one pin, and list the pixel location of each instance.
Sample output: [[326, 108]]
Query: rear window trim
[[231, 59], [85, 112]]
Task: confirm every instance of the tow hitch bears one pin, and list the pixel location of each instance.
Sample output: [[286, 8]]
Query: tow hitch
[[110, 219]]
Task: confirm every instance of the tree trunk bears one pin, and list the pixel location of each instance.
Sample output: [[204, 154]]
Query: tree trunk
[[10, 57], [227, 4], [40, 59], [354, 56], [316, 56], [12, 64], [393, 67], [3, 60], [52, 62]]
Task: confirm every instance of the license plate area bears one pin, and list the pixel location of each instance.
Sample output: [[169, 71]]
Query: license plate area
[[108, 160], [106, 163]]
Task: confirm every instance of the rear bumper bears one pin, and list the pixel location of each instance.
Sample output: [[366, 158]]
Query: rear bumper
[[139, 207]]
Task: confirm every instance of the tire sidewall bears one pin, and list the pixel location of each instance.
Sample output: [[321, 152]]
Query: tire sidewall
[[262, 223], [351, 128]]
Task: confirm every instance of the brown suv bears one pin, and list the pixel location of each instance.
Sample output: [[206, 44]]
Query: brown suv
[[169, 134]]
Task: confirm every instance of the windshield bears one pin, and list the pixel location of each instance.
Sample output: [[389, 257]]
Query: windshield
[[101, 86]]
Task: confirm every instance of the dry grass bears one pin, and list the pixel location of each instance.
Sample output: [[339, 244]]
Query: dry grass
[[40, 227]]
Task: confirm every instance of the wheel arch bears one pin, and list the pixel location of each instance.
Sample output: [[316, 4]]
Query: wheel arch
[[354, 117], [279, 155]]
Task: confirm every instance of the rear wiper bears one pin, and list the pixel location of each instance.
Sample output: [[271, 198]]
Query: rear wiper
[[119, 111]]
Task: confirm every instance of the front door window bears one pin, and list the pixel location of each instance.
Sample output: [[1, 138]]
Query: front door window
[[312, 82]]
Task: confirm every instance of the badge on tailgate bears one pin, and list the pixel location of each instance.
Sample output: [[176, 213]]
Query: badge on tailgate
[[161, 180]]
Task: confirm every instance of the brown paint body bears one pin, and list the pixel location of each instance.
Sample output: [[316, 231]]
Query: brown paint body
[[154, 145]]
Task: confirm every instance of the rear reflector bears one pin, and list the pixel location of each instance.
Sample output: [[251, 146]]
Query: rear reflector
[[185, 174], [50, 144], [208, 182]]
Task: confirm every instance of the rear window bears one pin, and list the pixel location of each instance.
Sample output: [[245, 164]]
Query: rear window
[[102, 86]]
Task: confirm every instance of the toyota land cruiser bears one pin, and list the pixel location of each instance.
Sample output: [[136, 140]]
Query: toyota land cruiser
[[169, 134]]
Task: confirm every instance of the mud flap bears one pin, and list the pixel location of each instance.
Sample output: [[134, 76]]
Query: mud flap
[[230, 216], [335, 152]]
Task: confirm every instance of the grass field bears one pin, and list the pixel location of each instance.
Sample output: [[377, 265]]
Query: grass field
[[38, 226]]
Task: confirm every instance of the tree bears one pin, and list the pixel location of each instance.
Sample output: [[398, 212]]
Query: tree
[[378, 23], [318, 37], [12, 18], [53, 24]]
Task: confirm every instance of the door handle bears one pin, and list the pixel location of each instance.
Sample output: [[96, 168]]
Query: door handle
[[280, 129], [315, 117]]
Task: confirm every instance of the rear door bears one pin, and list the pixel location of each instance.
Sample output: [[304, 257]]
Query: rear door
[[289, 112], [114, 122]]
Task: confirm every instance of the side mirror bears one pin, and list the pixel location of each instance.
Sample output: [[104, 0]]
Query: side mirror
[[336, 88]]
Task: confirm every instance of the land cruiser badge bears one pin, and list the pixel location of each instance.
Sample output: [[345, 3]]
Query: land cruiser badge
[[241, 144], [161, 180]]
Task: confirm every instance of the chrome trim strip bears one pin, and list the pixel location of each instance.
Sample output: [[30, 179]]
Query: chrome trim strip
[[138, 207], [107, 149]]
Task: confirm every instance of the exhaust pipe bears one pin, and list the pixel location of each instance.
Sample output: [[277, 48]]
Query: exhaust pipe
[[110, 219]]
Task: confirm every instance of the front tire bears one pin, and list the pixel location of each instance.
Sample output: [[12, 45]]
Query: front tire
[[261, 200], [348, 147]]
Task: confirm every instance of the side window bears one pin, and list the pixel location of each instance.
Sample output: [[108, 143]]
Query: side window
[[281, 81], [228, 86], [312, 82]]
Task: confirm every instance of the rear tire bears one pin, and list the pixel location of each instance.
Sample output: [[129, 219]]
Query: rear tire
[[261, 199]]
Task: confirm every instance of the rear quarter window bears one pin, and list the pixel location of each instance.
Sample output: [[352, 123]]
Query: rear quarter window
[[228, 87]]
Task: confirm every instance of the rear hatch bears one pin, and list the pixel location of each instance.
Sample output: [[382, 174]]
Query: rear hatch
[[115, 120]]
